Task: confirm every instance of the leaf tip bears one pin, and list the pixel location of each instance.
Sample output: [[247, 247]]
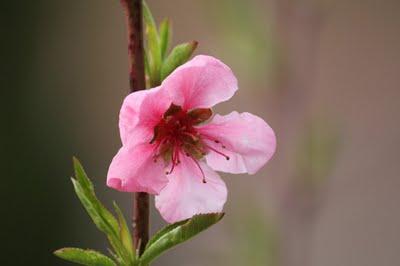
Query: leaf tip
[[59, 252], [167, 21], [194, 44], [75, 161]]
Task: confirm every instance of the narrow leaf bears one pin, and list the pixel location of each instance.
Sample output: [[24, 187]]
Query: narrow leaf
[[177, 233], [165, 36], [178, 56], [81, 175], [152, 51], [148, 16], [147, 69], [84, 257], [164, 231], [124, 233], [101, 217], [153, 55]]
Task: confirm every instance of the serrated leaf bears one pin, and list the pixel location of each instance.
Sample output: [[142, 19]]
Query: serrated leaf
[[177, 233], [124, 232], [103, 220], [81, 175], [165, 36], [163, 231], [101, 217], [84, 257], [178, 56]]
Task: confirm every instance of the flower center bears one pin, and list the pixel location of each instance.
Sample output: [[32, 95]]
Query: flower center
[[175, 135]]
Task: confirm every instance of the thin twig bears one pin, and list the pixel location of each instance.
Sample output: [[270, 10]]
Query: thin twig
[[133, 10]]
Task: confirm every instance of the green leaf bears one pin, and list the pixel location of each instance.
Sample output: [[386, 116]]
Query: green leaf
[[152, 51], [147, 69], [148, 16], [81, 175], [163, 231], [124, 232], [154, 55], [84, 257], [165, 36], [178, 56], [101, 217], [177, 233]]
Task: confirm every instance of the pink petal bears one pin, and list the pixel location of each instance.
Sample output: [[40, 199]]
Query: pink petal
[[186, 194], [249, 142], [202, 82], [142, 108], [134, 170], [129, 114]]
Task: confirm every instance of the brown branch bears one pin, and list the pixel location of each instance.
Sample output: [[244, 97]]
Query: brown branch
[[133, 10]]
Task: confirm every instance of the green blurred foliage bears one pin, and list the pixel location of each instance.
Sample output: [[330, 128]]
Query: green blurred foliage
[[247, 31], [317, 151], [256, 238]]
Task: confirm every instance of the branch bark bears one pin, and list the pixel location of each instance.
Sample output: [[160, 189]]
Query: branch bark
[[133, 10]]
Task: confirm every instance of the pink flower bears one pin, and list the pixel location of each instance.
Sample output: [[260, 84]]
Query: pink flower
[[169, 150]]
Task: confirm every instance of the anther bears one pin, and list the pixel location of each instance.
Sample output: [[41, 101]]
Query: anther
[[220, 153], [201, 170]]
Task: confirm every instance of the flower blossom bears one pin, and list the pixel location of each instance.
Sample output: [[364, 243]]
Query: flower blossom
[[172, 145]]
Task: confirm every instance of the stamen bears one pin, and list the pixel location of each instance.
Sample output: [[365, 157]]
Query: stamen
[[171, 170], [156, 151], [177, 157], [220, 153], [201, 170], [204, 136], [174, 159]]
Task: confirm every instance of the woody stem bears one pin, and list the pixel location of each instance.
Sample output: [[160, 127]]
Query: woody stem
[[133, 10]]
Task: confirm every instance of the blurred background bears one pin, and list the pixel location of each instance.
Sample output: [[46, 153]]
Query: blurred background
[[324, 74]]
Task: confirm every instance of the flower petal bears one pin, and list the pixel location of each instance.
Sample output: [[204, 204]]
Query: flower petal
[[142, 108], [153, 107], [129, 114], [134, 170], [202, 82], [247, 139], [186, 194]]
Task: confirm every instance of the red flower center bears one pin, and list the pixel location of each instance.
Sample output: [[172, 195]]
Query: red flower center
[[176, 134]]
